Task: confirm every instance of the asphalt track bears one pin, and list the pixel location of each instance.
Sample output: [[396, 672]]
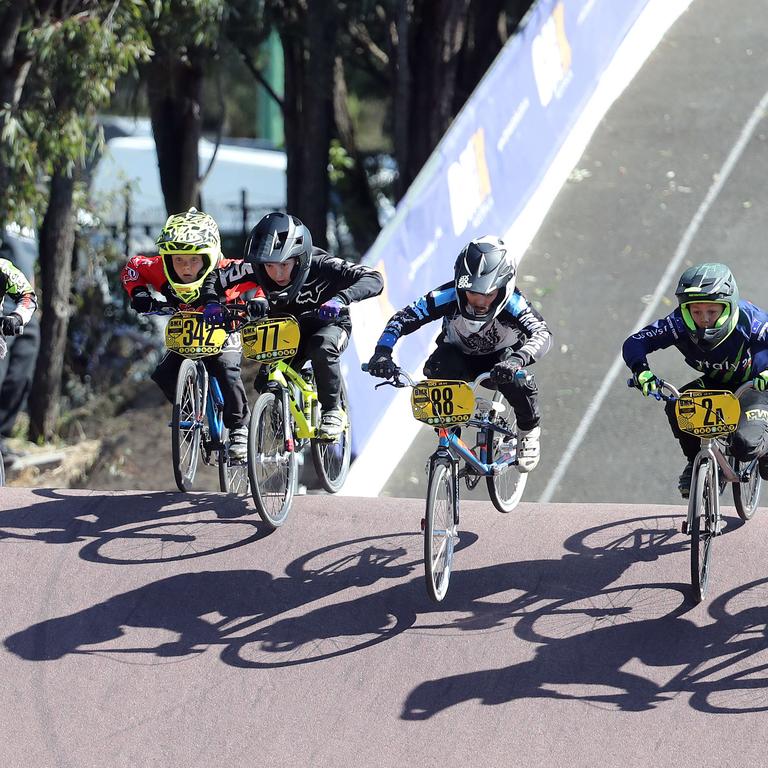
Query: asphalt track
[[160, 629], [641, 187], [168, 629]]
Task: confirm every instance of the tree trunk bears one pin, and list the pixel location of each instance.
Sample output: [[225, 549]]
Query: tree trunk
[[309, 80], [57, 238], [357, 202], [174, 90], [438, 31]]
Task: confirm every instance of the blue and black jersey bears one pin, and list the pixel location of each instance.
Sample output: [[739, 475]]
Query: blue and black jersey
[[741, 356], [518, 326]]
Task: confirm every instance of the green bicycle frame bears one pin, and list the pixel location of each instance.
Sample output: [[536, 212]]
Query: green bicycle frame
[[282, 373]]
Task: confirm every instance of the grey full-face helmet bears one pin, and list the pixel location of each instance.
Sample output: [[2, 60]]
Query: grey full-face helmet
[[709, 283], [275, 239], [483, 266]]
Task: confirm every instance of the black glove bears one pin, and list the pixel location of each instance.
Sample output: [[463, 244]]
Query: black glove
[[504, 372], [142, 302], [381, 364], [11, 325], [258, 308]]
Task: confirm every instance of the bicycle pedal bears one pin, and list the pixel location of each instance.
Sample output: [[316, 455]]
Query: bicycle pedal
[[423, 524], [684, 526]]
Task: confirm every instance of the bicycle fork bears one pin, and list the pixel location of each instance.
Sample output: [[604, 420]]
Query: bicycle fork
[[705, 455], [444, 456]]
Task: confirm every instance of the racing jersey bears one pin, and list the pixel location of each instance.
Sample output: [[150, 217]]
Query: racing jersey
[[740, 356], [144, 272], [518, 326], [14, 285], [329, 277]]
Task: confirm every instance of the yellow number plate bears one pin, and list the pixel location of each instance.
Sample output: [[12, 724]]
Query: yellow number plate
[[189, 336], [708, 413], [442, 403], [271, 339]]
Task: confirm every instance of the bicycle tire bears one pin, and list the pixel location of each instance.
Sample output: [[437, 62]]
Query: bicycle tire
[[439, 531], [233, 475], [331, 459], [702, 530], [746, 495], [272, 491], [185, 441], [505, 489]]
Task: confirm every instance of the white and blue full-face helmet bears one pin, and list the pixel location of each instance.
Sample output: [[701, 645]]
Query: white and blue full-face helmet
[[484, 266]]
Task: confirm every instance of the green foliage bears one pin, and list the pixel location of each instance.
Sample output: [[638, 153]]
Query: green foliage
[[77, 61]]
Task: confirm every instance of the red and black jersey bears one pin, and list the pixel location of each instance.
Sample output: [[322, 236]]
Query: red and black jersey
[[144, 272]]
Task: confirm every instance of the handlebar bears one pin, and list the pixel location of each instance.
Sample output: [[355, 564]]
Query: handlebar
[[402, 378], [674, 393]]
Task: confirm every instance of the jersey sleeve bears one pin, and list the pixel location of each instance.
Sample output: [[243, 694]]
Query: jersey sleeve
[[658, 335], [142, 273], [19, 289], [352, 282], [432, 306], [538, 336]]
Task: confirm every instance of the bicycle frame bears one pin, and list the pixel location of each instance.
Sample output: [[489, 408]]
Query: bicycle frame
[[283, 374]]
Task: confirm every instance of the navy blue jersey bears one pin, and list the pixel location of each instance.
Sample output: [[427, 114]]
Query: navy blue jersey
[[518, 326], [742, 355]]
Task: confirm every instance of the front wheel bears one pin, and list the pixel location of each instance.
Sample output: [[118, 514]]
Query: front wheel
[[746, 495], [331, 458], [187, 424], [703, 529], [506, 488], [440, 530], [271, 463]]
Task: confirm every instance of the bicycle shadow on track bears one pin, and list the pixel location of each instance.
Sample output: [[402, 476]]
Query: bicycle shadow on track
[[261, 621], [632, 666], [177, 525]]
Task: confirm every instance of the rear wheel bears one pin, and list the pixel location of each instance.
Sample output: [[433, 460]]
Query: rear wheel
[[331, 458], [440, 531], [703, 529], [187, 424], [746, 495], [233, 473], [506, 488], [271, 468]]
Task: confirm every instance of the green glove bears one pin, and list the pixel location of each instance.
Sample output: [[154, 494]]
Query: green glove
[[646, 382], [760, 382]]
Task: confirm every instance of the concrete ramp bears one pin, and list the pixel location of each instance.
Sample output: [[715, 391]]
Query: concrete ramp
[[169, 629]]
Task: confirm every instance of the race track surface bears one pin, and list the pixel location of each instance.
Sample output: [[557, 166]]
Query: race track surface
[[168, 629]]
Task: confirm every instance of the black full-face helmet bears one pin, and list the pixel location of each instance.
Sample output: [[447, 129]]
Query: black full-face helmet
[[275, 239], [483, 266], [709, 283]]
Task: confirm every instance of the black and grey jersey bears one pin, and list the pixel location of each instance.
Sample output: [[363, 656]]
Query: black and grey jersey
[[329, 277], [518, 326]]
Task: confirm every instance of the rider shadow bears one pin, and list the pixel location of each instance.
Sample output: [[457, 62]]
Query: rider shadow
[[66, 519], [600, 665], [258, 622]]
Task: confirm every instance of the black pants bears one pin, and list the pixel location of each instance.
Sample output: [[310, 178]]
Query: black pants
[[17, 369], [449, 362], [750, 439], [225, 367], [323, 346]]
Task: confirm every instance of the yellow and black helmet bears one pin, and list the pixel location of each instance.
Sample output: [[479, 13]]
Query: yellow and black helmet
[[192, 233]]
